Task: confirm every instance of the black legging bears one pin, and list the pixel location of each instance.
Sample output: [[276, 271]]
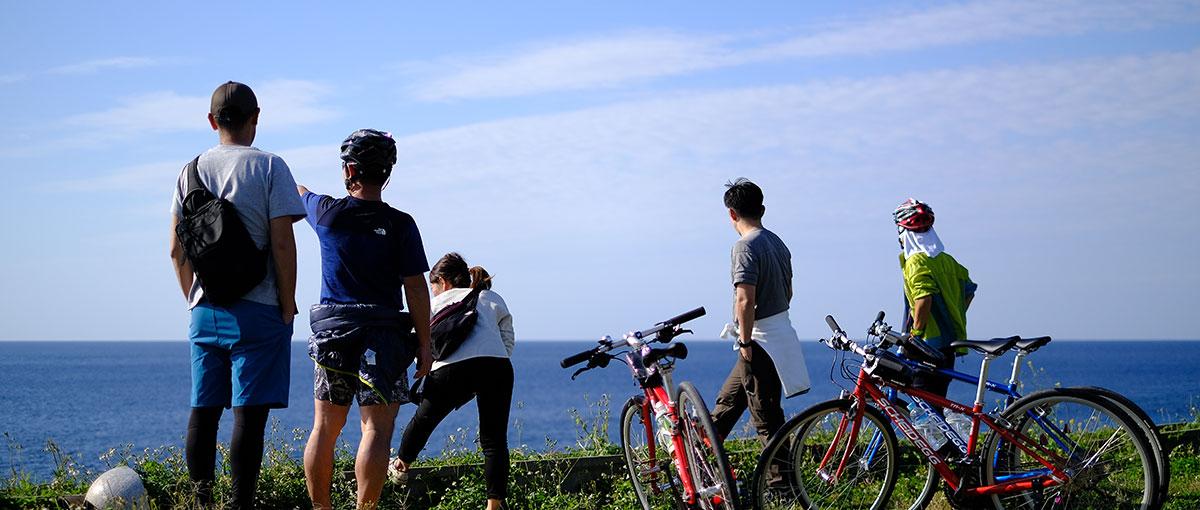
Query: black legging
[[245, 451], [490, 382]]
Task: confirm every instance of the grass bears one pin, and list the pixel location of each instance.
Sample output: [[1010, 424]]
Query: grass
[[533, 485]]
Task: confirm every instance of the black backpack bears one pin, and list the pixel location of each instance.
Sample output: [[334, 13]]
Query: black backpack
[[452, 325], [225, 259]]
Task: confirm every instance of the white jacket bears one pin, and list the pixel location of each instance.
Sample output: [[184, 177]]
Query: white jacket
[[493, 334]]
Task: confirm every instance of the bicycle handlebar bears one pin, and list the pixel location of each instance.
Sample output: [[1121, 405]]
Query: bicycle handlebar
[[686, 316], [576, 359], [833, 325], [607, 344], [670, 323]]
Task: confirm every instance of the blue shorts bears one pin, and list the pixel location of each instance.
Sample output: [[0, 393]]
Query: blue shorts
[[241, 355]]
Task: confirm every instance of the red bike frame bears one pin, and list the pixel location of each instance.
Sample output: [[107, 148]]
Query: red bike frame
[[866, 387], [659, 394]]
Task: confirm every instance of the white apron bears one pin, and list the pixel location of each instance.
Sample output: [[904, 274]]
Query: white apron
[[776, 335]]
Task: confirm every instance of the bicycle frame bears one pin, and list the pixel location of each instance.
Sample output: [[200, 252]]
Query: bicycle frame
[[866, 390], [655, 391], [1009, 390]]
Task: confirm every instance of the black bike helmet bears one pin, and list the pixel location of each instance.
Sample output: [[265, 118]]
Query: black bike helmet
[[373, 151]]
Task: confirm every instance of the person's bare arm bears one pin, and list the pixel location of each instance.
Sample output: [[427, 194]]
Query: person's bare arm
[[921, 310], [283, 252], [183, 268], [301, 189], [416, 292], [743, 311]]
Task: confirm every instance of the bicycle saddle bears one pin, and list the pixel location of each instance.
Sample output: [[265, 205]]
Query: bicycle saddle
[[995, 346], [1028, 345]]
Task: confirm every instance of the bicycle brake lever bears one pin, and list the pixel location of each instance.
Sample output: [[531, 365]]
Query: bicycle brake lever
[[682, 331], [580, 371]]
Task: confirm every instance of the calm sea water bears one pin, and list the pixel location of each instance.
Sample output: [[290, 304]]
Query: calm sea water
[[89, 397]]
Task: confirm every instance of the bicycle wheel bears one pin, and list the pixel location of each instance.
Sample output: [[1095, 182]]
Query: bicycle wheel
[[793, 471], [1102, 448], [1149, 430], [654, 479], [708, 465]]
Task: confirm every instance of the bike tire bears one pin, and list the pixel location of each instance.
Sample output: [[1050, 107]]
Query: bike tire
[[649, 486], [707, 461], [1149, 430], [1126, 478], [787, 474]]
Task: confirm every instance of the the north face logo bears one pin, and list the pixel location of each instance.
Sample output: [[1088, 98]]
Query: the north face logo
[[381, 231]]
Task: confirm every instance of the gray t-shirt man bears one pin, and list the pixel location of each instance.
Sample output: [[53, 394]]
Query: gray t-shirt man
[[761, 259], [261, 187]]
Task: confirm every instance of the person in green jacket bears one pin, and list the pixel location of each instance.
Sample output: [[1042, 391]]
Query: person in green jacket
[[937, 290]]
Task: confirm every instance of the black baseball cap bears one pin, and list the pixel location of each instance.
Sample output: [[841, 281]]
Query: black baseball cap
[[233, 102]]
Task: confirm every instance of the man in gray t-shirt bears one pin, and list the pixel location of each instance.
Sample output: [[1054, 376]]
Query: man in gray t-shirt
[[761, 274], [241, 351]]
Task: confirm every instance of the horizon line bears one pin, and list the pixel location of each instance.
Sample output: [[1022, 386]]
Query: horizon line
[[551, 340]]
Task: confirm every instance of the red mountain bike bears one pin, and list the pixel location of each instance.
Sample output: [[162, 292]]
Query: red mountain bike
[[674, 456]]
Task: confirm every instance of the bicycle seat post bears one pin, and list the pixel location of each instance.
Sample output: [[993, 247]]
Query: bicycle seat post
[[983, 378], [1016, 369]]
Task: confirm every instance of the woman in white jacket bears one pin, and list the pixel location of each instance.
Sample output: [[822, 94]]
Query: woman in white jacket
[[479, 368]]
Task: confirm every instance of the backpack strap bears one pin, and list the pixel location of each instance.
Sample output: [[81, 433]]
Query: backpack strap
[[197, 195]]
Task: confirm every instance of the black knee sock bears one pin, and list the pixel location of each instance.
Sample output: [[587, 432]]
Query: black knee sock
[[201, 450], [246, 452]]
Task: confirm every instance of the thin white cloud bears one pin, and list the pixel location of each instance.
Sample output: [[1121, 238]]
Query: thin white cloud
[[576, 65], [138, 178], [13, 78], [632, 57], [104, 64], [976, 22], [284, 103]]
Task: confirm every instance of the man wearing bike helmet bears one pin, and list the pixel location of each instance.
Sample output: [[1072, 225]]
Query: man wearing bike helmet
[[770, 363], [372, 260], [937, 289]]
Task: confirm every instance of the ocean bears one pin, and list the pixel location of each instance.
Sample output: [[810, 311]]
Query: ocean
[[90, 397]]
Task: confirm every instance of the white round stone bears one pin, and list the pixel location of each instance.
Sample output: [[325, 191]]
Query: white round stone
[[119, 487]]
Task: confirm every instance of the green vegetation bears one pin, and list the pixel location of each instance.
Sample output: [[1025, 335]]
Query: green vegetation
[[533, 485]]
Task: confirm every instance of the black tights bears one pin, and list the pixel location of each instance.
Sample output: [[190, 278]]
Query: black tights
[[490, 382], [245, 451]]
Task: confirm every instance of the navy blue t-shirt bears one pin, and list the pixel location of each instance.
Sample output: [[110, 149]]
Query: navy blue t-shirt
[[367, 248]]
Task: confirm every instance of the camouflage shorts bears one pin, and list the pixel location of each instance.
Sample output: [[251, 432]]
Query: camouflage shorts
[[342, 388]]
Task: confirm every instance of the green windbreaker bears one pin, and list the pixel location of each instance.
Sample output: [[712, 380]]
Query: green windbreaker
[[948, 283]]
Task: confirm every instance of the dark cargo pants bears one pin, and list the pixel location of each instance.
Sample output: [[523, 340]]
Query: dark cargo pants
[[754, 385]]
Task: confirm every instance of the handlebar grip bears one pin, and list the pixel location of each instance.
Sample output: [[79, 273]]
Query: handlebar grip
[[686, 316], [878, 317], [577, 358], [832, 324]]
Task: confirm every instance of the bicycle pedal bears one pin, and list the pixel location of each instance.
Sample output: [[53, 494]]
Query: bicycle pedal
[[649, 472]]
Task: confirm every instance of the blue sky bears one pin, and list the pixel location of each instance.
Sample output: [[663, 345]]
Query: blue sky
[[578, 151]]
